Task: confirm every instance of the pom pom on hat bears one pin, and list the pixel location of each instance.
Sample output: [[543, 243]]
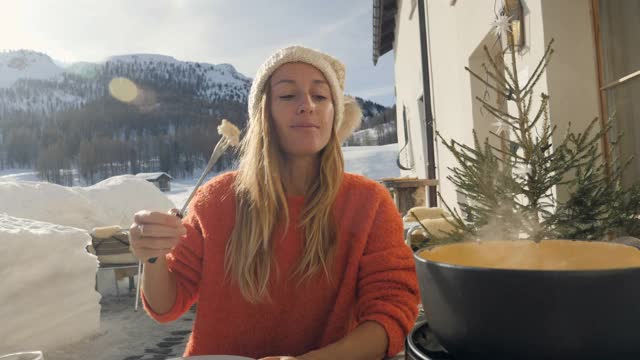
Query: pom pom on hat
[[351, 118], [347, 112]]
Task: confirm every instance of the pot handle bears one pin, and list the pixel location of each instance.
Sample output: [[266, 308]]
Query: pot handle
[[407, 236]]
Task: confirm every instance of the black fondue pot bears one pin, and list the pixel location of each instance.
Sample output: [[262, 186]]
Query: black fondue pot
[[501, 314]]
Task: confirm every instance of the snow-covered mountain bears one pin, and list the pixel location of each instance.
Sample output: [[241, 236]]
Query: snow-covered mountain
[[221, 73], [32, 82], [51, 114], [212, 75], [22, 64]]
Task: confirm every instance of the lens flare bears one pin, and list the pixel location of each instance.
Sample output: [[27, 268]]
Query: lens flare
[[123, 89]]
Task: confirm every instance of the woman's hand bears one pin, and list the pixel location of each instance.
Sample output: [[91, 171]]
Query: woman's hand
[[154, 234]]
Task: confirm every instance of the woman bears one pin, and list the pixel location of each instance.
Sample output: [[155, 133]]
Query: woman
[[288, 257]]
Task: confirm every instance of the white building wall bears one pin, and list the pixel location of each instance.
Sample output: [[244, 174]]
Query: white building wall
[[572, 75], [455, 36], [408, 74]]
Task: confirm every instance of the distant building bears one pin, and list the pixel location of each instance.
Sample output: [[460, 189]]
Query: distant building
[[160, 179]]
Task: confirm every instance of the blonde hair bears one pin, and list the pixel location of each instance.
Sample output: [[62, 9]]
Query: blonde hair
[[260, 199]]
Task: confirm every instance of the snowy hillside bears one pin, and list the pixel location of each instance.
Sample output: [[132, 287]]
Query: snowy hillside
[[211, 81], [26, 64], [46, 269], [56, 120], [222, 73], [32, 82], [371, 136], [375, 162]]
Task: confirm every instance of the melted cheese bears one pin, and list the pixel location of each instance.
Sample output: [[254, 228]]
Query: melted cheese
[[545, 255]]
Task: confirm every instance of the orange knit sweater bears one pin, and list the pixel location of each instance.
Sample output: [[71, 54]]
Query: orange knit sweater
[[374, 273]]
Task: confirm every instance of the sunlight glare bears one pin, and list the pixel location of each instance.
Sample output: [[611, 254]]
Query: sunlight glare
[[123, 89]]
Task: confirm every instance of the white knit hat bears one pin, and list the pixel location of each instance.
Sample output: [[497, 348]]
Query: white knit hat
[[347, 112]]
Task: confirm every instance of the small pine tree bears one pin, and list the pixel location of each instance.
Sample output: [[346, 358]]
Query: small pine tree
[[509, 190]]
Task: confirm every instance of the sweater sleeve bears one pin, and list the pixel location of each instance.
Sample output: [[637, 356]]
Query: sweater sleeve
[[387, 285], [185, 262]]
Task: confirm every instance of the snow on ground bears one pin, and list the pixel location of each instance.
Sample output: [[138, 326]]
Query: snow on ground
[[109, 202], [48, 296], [375, 162], [126, 334], [19, 175], [120, 197]]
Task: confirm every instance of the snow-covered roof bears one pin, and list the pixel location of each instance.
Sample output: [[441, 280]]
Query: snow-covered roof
[[153, 176]]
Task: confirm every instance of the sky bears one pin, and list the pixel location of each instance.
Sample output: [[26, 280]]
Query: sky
[[242, 33]]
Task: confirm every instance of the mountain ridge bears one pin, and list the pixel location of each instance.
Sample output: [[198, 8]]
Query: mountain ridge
[[165, 119]]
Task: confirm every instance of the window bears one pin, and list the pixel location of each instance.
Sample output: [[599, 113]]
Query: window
[[618, 23]]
